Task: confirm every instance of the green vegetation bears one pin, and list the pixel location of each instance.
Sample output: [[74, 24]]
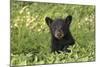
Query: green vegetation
[[30, 36]]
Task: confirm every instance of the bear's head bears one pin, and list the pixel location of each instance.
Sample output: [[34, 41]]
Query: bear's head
[[59, 27]]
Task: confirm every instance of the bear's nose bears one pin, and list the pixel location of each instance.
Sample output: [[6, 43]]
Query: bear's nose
[[59, 34]]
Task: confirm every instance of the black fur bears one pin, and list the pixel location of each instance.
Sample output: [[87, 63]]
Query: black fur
[[61, 36]]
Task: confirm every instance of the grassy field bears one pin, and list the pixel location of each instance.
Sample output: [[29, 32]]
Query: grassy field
[[30, 36]]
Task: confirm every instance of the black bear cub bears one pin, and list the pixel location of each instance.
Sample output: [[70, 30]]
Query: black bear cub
[[61, 37]]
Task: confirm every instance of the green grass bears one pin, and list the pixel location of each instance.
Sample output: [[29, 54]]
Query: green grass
[[30, 36]]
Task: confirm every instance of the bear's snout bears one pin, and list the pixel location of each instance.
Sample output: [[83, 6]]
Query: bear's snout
[[59, 34]]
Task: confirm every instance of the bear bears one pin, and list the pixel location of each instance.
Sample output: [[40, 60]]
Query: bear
[[61, 37]]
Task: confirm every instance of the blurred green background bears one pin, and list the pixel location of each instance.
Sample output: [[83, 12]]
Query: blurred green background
[[30, 36]]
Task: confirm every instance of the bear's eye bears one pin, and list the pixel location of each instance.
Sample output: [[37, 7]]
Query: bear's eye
[[54, 27]]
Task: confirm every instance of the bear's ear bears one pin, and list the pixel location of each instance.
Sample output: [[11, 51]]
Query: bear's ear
[[68, 19], [48, 21]]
